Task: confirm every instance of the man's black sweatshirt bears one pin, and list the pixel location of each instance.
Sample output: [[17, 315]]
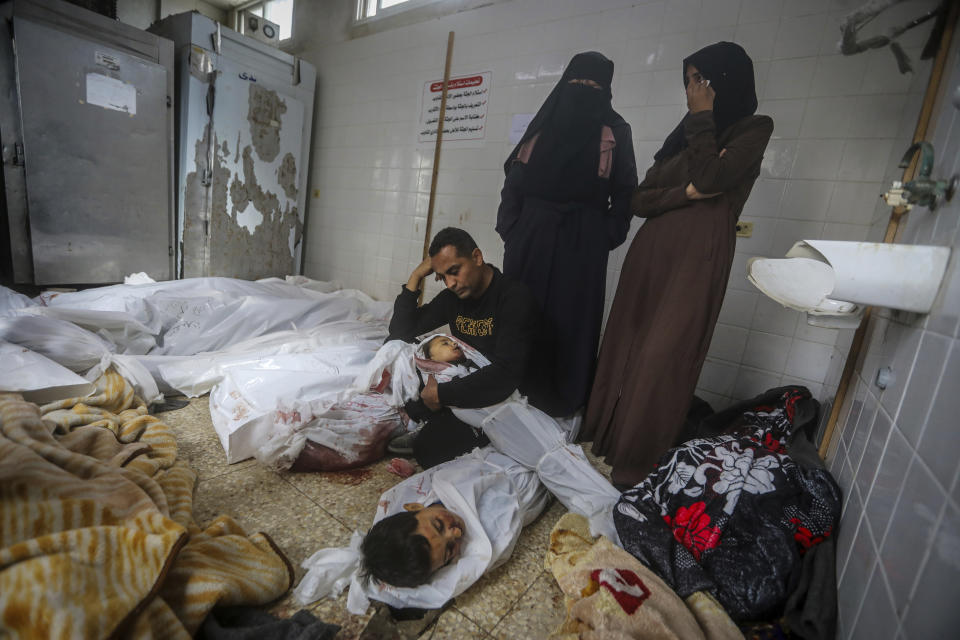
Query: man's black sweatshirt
[[502, 324]]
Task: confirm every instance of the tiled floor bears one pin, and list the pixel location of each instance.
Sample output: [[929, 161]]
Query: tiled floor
[[304, 512]]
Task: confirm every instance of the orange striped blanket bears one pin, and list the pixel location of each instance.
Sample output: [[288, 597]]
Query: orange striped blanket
[[97, 537]]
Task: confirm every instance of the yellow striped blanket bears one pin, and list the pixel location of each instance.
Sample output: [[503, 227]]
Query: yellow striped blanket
[[97, 537]]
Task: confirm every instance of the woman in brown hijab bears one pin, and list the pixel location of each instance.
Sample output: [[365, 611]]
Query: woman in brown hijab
[[675, 274]]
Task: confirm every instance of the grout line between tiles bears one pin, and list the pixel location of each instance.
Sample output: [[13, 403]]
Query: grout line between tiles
[[936, 393], [226, 471], [480, 626], [842, 562], [896, 503], [517, 601], [863, 596], [348, 527], [923, 563]]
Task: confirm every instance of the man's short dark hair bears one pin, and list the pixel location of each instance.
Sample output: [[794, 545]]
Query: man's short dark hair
[[460, 239], [394, 554]]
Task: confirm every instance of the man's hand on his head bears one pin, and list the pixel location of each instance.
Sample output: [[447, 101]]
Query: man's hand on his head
[[430, 395], [422, 271]]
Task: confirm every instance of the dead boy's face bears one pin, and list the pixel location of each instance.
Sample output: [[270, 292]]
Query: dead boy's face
[[443, 530], [443, 349]]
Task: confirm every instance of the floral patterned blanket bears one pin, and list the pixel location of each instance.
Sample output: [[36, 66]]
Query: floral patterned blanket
[[733, 514]]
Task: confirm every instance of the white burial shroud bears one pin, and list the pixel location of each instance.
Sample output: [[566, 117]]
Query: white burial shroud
[[473, 486]]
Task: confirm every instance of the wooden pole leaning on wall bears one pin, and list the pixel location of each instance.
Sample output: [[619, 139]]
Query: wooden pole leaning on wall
[[893, 226], [436, 157]]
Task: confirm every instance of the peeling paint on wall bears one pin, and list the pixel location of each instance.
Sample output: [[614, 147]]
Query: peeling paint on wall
[[229, 246], [265, 114], [248, 191], [240, 211], [256, 250], [287, 176]]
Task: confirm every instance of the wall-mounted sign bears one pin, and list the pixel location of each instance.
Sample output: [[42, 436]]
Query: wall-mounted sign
[[466, 112]]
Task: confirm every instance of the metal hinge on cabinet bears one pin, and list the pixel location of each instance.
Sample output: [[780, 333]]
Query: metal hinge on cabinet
[[13, 154]]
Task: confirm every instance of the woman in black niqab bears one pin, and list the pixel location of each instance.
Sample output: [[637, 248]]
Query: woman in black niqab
[[566, 129], [564, 207]]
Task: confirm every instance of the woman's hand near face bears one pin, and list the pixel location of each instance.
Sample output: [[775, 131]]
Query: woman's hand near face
[[700, 95]]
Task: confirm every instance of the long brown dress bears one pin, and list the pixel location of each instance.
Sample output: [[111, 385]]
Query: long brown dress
[[671, 287]]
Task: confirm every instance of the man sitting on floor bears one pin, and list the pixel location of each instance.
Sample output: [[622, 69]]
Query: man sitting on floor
[[491, 312]]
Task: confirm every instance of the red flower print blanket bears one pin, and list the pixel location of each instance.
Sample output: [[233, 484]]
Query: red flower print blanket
[[733, 514]]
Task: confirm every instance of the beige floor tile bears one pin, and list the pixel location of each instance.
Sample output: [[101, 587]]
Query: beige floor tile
[[453, 625], [197, 442], [495, 593], [538, 613], [260, 500], [350, 496]]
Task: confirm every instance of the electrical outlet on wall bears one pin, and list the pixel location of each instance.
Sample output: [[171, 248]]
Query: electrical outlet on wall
[[744, 229]]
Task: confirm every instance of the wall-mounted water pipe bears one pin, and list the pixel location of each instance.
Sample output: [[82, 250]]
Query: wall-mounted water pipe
[[922, 190]]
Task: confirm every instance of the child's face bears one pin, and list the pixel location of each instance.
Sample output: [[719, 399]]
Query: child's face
[[445, 349], [443, 529]]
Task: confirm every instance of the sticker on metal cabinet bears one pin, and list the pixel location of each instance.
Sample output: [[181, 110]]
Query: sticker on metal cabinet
[[106, 60], [201, 64], [111, 93]]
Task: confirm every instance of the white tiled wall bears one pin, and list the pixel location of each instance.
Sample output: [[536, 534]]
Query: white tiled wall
[[841, 125], [897, 449]]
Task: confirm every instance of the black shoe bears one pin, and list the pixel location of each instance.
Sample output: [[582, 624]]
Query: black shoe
[[402, 445]]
